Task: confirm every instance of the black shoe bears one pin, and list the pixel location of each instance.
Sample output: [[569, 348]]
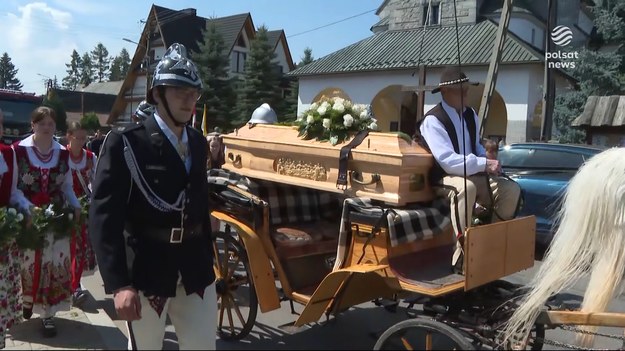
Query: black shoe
[[49, 328], [27, 312], [79, 297]]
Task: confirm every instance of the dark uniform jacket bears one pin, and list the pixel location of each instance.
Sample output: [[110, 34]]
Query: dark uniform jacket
[[118, 204]]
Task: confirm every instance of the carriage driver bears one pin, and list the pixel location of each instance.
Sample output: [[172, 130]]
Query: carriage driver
[[151, 182], [441, 131]]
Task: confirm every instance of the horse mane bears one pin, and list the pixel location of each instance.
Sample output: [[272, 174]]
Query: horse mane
[[590, 238]]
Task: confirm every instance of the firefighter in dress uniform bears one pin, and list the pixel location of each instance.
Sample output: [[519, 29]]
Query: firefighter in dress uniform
[[151, 182]]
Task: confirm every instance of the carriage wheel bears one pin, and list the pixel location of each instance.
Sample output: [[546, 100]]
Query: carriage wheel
[[422, 334], [534, 341], [237, 303]]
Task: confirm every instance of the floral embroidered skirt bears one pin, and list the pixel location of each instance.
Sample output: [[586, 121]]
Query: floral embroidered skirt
[[83, 257], [10, 288], [46, 277]]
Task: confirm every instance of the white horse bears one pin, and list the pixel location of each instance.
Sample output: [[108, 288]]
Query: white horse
[[590, 239]]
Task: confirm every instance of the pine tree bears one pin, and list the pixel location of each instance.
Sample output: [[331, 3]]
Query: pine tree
[[125, 62], [599, 72], [54, 102], [213, 64], [308, 57], [8, 74], [291, 99], [115, 72], [86, 70], [261, 80], [101, 61], [71, 81]]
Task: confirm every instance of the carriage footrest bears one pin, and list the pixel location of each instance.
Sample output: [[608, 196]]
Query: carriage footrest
[[430, 268]]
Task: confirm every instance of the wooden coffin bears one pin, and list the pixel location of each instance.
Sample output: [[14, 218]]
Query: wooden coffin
[[384, 167]]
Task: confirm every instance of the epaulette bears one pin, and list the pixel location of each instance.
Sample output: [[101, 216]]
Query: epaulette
[[126, 128]]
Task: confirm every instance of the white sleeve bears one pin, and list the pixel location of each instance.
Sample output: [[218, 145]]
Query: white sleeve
[[440, 145], [68, 190], [17, 196]]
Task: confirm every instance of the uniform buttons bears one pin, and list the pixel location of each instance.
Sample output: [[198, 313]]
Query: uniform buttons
[[186, 216], [155, 181], [188, 186], [188, 201]]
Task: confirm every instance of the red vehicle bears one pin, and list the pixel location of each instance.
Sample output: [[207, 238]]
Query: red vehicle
[[16, 107]]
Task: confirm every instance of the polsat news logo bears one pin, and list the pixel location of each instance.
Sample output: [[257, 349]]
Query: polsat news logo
[[561, 36]]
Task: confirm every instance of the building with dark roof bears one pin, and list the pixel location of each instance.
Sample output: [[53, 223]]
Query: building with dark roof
[[383, 70], [603, 119], [166, 26]]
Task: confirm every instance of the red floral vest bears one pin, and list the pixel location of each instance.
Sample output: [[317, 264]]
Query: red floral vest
[[41, 186], [6, 179], [85, 172]]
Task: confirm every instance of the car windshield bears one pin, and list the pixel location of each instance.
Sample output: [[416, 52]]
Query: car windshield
[[534, 158]]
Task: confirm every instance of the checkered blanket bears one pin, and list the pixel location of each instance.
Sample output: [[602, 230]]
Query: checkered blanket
[[287, 203], [406, 224]]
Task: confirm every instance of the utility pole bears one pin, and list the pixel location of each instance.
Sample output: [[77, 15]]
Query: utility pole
[[548, 83], [493, 68]]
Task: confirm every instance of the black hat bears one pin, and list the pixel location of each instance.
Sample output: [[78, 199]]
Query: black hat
[[175, 69], [452, 75]]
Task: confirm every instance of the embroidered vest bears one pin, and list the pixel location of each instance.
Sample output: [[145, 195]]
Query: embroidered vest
[[41, 186], [85, 173]]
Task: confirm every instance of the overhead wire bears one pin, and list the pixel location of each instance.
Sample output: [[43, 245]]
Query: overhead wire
[[330, 24]]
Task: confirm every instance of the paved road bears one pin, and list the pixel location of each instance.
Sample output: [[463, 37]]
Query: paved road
[[357, 328]]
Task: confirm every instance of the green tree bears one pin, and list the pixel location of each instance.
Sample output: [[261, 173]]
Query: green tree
[[119, 66], [8, 74], [90, 121], [308, 57], [71, 81], [598, 69], [54, 102], [115, 72], [261, 82], [291, 98], [213, 62], [101, 61], [86, 70]]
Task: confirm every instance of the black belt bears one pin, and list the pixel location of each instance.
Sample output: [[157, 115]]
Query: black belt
[[167, 235], [341, 182]]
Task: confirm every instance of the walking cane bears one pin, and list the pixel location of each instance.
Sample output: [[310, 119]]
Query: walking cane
[[131, 336]]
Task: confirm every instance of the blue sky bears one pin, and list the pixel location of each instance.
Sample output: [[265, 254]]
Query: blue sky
[[39, 36]]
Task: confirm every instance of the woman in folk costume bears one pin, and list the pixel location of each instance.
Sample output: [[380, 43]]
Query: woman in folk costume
[[82, 163], [44, 178], [10, 307]]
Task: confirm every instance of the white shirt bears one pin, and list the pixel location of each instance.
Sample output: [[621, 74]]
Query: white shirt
[[174, 139], [435, 134], [17, 196], [82, 164]]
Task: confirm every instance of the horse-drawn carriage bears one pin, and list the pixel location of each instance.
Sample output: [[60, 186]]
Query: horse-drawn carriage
[[337, 228]]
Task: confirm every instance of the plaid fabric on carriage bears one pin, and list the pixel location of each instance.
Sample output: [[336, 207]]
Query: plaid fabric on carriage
[[406, 224]]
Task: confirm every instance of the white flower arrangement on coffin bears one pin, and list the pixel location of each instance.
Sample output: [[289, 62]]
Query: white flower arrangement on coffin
[[334, 120]]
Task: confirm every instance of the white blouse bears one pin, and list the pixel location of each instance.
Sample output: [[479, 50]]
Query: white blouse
[[17, 196]]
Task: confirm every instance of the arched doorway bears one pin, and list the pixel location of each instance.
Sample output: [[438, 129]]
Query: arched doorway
[[395, 109], [497, 119], [330, 93]]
